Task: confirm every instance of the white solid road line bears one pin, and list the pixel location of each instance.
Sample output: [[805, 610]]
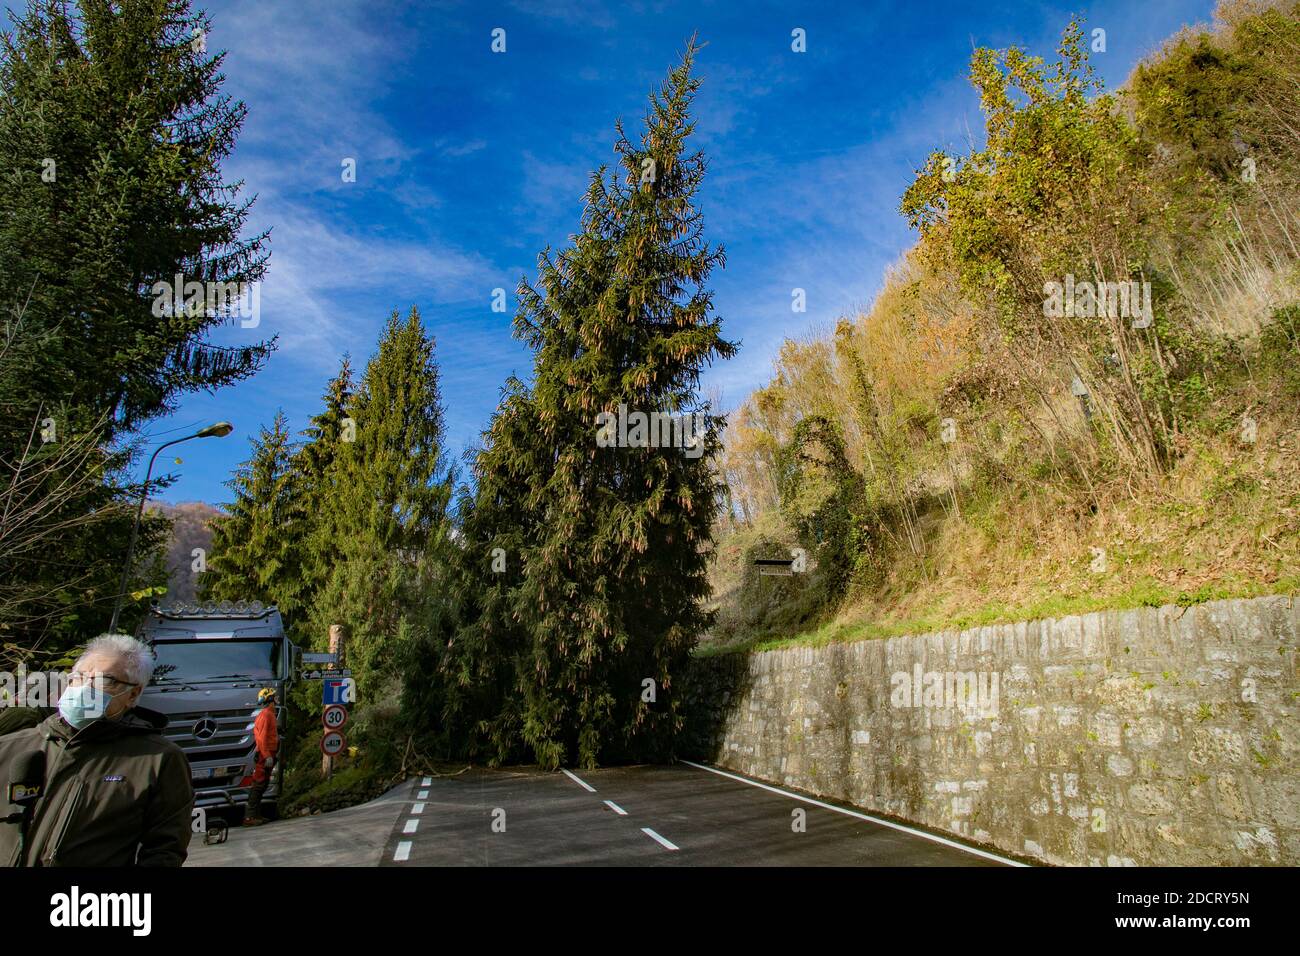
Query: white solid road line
[[658, 839], [411, 825], [861, 816], [403, 851], [418, 809], [580, 782], [616, 808]]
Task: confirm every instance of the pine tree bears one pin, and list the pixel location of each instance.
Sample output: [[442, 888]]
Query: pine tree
[[315, 461], [257, 544], [479, 672], [391, 490], [113, 127], [113, 131], [613, 541]]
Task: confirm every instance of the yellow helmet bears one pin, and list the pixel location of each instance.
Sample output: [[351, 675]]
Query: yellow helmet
[[265, 694]]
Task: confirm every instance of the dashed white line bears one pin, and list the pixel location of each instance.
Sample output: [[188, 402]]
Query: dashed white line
[[422, 795], [403, 851], [426, 782], [411, 826], [616, 808], [666, 844], [579, 781], [418, 809], [861, 816]]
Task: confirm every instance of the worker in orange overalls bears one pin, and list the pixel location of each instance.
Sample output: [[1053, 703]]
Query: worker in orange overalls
[[266, 738]]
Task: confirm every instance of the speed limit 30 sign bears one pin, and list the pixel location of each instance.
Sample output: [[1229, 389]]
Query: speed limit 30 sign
[[334, 716]]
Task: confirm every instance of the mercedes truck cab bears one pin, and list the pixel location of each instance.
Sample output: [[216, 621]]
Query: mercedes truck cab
[[211, 662]]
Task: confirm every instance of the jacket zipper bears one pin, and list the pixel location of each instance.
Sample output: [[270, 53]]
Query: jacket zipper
[[52, 856], [25, 853]]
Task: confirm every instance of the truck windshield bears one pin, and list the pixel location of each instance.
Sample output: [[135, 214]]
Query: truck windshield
[[216, 660]]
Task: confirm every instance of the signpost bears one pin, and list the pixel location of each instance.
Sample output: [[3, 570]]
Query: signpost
[[334, 717], [340, 689], [319, 673], [337, 690], [332, 744]]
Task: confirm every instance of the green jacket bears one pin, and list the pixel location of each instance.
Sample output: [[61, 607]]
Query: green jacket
[[116, 794], [20, 718]]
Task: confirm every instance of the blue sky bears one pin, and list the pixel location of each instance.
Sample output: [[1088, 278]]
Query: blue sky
[[469, 163]]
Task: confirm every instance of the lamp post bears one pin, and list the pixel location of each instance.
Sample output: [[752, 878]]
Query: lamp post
[[216, 430]]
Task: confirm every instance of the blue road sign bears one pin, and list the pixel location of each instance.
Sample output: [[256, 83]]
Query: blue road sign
[[337, 690]]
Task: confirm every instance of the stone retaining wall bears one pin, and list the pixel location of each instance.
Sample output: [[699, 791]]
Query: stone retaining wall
[[1155, 736]]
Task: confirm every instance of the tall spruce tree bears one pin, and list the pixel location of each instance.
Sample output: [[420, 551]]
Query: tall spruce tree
[[612, 541], [113, 131], [328, 430], [113, 128], [391, 491], [257, 544], [480, 712]]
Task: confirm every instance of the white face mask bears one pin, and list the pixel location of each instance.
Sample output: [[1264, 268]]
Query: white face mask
[[83, 704]]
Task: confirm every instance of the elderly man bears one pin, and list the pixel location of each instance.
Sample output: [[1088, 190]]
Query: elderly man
[[115, 793]]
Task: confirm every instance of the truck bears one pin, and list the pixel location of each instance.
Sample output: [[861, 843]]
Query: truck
[[211, 661]]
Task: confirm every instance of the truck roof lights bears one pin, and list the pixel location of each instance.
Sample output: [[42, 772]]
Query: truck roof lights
[[222, 609]]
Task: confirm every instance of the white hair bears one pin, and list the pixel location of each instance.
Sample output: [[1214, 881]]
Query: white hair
[[136, 656]]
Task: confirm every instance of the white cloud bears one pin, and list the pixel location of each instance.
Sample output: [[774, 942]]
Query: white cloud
[[445, 147], [317, 263], [570, 13], [315, 76]]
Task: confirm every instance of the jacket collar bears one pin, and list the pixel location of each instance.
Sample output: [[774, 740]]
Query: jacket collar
[[138, 720]]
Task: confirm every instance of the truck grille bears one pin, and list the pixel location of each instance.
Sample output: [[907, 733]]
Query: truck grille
[[219, 743], [207, 736]]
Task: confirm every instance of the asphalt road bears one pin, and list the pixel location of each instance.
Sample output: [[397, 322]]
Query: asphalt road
[[355, 836], [679, 815]]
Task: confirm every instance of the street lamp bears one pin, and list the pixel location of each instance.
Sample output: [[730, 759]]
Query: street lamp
[[215, 430]]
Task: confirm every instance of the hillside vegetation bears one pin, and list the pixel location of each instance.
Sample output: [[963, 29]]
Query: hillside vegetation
[[991, 441], [191, 528]]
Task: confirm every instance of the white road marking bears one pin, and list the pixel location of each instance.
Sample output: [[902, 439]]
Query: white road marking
[[861, 816], [422, 795], [580, 782], [658, 839], [411, 826], [616, 808], [426, 782], [418, 809], [403, 851]]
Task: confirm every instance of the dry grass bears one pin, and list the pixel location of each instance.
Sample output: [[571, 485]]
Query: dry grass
[[1226, 523], [1028, 508]]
